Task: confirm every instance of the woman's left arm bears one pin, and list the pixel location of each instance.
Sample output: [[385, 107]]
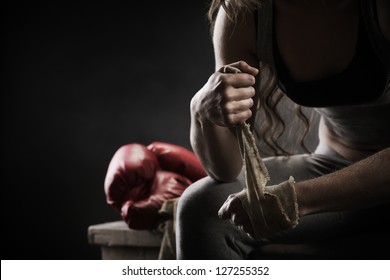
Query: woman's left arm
[[363, 184]]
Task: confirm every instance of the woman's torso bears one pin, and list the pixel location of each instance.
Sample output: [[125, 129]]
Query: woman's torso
[[324, 45]]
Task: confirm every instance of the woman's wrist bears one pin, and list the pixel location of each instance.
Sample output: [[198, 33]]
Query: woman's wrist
[[302, 191], [198, 115]]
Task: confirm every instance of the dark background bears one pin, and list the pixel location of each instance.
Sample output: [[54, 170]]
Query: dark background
[[79, 81]]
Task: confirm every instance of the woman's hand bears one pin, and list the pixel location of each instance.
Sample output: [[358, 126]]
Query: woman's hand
[[224, 101], [226, 98], [264, 215], [233, 210]]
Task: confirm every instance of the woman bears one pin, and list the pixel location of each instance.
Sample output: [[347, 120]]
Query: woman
[[330, 55]]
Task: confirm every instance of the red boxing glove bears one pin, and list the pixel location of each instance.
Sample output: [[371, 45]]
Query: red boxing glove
[[178, 159], [143, 214], [130, 174]]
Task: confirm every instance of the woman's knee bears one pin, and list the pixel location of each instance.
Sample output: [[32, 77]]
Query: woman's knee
[[204, 198]]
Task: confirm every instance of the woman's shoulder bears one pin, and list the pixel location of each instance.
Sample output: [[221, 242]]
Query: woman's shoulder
[[235, 38]]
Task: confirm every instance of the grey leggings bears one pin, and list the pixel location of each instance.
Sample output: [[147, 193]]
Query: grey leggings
[[200, 234]]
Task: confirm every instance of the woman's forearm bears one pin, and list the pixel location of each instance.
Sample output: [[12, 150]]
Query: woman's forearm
[[226, 100], [216, 147], [363, 184]]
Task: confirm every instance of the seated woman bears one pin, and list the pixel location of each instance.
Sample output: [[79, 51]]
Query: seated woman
[[330, 55]]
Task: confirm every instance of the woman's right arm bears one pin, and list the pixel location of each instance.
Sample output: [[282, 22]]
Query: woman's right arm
[[226, 99]]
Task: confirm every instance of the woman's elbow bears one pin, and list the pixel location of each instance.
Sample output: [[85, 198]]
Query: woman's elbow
[[224, 175]]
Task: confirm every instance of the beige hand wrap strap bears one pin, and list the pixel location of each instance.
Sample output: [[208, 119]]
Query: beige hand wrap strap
[[271, 209]]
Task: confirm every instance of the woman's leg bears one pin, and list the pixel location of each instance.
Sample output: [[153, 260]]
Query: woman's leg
[[202, 235]]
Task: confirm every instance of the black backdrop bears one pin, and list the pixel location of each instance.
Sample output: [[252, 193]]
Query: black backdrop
[[78, 82]]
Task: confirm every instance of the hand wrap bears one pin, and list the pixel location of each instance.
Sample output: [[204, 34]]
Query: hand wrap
[[271, 209]]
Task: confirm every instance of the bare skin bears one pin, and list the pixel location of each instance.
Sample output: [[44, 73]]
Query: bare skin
[[305, 31]]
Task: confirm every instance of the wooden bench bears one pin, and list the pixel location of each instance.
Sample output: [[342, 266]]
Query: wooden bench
[[118, 242]]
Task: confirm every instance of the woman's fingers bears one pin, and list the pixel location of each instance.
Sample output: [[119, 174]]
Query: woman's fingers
[[223, 212], [236, 118], [233, 211], [239, 80], [228, 99], [241, 66], [238, 106]]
